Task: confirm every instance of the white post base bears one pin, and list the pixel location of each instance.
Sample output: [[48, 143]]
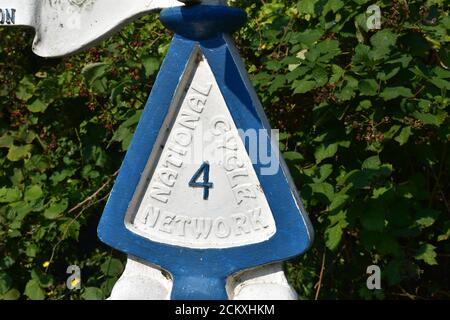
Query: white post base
[[144, 281]]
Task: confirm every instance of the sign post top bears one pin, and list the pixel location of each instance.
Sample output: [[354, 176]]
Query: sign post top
[[65, 27], [203, 21], [207, 218]]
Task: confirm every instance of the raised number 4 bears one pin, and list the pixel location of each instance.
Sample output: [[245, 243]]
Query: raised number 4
[[206, 185]]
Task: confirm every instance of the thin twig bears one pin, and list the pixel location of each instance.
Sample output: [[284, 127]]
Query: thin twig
[[84, 208], [319, 284], [94, 195]]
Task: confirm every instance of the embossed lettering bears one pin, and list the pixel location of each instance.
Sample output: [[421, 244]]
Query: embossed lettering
[[170, 211], [203, 91], [241, 224], [229, 143], [150, 217], [244, 192], [257, 220], [201, 227], [160, 192], [173, 160], [181, 222], [197, 103], [189, 120], [232, 162], [183, 137], [221, 228], [8, 16], [178, 150], [166, 224], [220, 125], [168, 176], [236, 177]]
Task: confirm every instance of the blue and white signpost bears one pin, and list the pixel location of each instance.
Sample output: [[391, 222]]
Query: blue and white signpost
[[203, 192], [194, 195]]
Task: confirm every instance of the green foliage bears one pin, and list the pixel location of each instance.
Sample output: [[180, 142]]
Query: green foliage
[[365, 131], [64, 127], [364, 127]]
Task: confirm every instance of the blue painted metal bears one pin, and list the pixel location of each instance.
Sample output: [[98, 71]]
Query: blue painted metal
[[202, 273], [201, 21]]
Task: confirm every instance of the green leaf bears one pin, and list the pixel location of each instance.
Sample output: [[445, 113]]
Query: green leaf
[[8, 195], [440, 83], [431, 119], [361, 57], [383, 42], [308, 37], [426, 217], [31, 250], [6, 141], [338, 201], [323, 188], [323, 52], [33, 193], [60, 176], [34, 291], [17, 153], [333, 236], [368, 87], [427, 253], [334, 232], [293, 156], [307, 7], [446, 234], [108, 285], [95, 76], [404, 135], [55, 209], [320, 76], [92, 293], [37, 106], [124, 135], [112, 267], [118, 91], [372, 163], [364, 105], [25, 89], [151, 65], [395, 92], [325, 171], [5, 283], [388, 72], [70, 229], [277, 83], [303, 86], [338, 73], [45, 280], [12, 294], [324, 152], [392, 131], [6, 262], [332, 5]]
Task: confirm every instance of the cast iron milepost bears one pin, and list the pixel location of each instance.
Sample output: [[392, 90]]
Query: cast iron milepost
[[205, 213], [196, 216]]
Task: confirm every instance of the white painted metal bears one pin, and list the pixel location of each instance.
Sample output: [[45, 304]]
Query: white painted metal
[[144, 281], [67, 26], [236, 212]]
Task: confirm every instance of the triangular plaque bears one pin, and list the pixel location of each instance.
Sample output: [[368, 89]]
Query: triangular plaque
[[193, 195]]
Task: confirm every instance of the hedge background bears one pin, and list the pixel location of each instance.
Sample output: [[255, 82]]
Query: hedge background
[[365, 131]]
